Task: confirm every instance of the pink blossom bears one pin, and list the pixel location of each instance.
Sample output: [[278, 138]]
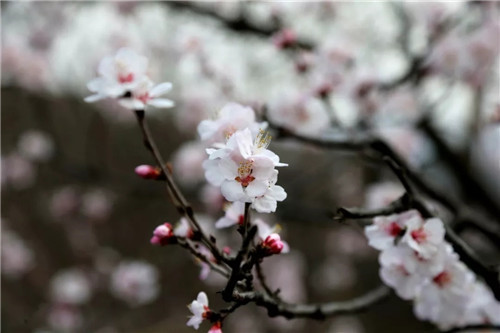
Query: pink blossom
[[162, 235], [147, 171]]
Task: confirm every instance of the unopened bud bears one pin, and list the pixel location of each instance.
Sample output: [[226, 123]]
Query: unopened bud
[[163, 235], [273, 244], [284, 38], [147, 171]]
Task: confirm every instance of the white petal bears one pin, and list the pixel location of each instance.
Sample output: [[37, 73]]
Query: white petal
[[160, 89], [228, 168], [202, 298], [263, 168], [212, 172], [225, 222], [232, 190], [264, 205], [277, 193], [161, 103], [94, 98], [245, 142], [256, 188], [194, 322]]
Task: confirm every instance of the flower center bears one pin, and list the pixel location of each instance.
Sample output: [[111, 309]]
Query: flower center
[[394, 229], [143, 98], [126, 78], [419, 235], [262, 140], [245, 173], [442, 279]]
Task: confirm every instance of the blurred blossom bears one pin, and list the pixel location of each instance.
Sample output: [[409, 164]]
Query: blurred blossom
[[35, 145], [381, 194], [301, 114], [64, 202], [346, 241], [188, 163], [17, 171], [135, 282], [409, 143], [287, 273], [65, 317], [335, 274], [212, 198], [71, 286], [17, 257], [346, 325], [97, 204]]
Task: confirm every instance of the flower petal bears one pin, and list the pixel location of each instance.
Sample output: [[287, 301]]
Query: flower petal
[[232, 190], [160, 89], [161, 103]]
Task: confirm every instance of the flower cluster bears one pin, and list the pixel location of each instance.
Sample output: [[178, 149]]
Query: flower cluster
[[421, 266], [123, 76], [245, 170]]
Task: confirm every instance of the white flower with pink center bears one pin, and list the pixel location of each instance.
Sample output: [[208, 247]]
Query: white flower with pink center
[[445, 297], [231, 118], [234, 215], [117, 75], [425, 237], [395, 271], [243, 167], [385, 229], [199, 308], [146, 93]]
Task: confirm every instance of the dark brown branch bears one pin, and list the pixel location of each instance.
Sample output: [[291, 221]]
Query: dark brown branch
[[175, 194], [314, 311]]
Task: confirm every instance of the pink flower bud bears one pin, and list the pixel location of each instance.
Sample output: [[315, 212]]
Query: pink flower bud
[[284, 38], [147, 171], [226, 250], [162, 235], [216, 328], [273, 244]]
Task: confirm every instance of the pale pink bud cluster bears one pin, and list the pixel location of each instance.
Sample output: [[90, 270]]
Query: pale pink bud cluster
[[421, 266], [285, 38], [163, 235]]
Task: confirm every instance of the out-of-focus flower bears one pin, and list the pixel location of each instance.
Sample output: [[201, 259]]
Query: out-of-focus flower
[[162, 235], [147, 171], [146, 93], [117, 75], [302, 114], [234, 215], [97, 204], [135, 282], [71, 287], [17, 171], [35, 146], [187, 163], [64, 202], [200, 310], [444, 299], [212, 199], [17, 257], [380, 195], [231, 118], [65, 317], [284, 38], [385, 229]]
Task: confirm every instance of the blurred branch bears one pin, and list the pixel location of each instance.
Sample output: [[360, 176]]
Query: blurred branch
[[238, 24], [473, 328]]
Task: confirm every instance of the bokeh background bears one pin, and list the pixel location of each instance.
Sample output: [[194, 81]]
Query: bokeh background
[[76, 220]]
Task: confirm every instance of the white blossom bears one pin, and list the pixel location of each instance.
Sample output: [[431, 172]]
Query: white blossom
[[424, 237], [199, 308]]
